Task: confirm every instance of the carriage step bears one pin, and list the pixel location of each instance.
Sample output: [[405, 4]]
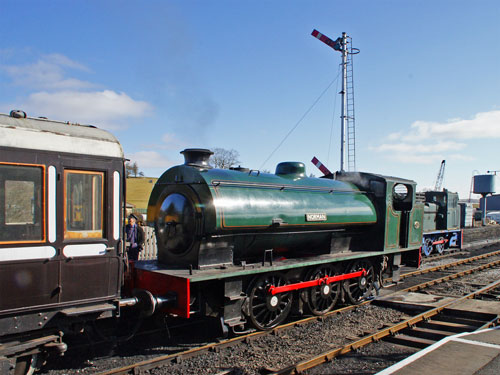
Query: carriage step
[[75, 311]]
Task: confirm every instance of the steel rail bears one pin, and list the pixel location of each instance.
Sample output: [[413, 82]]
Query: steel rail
[[446, 266], [446, 254], [179, 356], [454, 251], [390, 331], [450, 277]]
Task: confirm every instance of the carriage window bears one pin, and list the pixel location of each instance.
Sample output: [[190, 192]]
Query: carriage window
[[83, 204], [21, 203]]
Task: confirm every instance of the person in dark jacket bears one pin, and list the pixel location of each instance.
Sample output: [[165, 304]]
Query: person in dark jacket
[[135, 236]]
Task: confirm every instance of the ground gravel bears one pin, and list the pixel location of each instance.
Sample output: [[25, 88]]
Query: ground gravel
[[465, 285], [277, 351], [367, 360], [480, 233], [291, 346]]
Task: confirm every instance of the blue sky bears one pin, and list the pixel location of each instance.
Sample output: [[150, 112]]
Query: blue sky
[[166, 75]]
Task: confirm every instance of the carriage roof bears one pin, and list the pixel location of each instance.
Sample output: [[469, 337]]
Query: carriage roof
[[43, 134]]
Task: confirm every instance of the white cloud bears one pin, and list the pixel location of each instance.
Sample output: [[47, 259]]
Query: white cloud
[[48, 73], [105, 109], [427, 147], [58, 96], [169, 142], [429, 142], [168, 138], [172, 142], [150, 159], [482, 125], [421, 153], [461, 157], [58, 59]]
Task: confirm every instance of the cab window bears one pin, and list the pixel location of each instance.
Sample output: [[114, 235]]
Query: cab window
[[83, 193], [21, 203]]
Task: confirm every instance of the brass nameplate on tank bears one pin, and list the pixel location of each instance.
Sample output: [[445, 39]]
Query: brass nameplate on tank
[[316, 217]]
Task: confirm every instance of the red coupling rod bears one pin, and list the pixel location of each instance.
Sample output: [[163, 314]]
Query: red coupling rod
[[307, 284], [439, 242]]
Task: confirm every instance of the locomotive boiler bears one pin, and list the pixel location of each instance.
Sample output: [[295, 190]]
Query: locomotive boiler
[[205, 217]]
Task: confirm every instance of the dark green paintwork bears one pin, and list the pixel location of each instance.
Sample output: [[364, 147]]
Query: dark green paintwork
[[430, 215], [247, 213], [416, 225], [403, 222], [442, 211], [254, 201]]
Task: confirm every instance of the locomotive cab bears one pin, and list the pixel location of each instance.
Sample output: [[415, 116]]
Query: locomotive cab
[[400, 215], [441, 222]]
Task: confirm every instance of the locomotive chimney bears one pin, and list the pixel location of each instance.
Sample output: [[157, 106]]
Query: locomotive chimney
[[197, 157]]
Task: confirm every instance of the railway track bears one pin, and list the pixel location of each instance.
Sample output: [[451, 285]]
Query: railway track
[[447, 266], [452, 252], [447, 253], [155, 333], [179, 357], [419, 331]]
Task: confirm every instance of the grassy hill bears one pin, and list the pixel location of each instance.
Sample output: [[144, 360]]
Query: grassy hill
[[138, 191]]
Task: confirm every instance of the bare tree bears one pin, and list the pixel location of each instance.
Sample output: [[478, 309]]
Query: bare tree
[[132, 170], [223, 158]]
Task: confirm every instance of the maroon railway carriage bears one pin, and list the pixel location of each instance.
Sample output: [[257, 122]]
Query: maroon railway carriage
[[61, 194]]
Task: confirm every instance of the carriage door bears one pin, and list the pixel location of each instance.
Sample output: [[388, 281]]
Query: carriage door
[[28, 271], [89, 260]]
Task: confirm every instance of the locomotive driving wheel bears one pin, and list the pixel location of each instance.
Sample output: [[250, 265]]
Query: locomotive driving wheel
[[322, 298], [440, 246], [360, 288], [266, 311], [427, 247]]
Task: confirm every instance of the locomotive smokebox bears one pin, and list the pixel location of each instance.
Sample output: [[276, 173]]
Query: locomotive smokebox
[[197, 157]]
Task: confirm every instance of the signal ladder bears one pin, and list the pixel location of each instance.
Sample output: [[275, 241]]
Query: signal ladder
[[349, 116]]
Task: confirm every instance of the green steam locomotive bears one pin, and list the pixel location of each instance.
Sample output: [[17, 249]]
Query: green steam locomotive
[[247, 246]]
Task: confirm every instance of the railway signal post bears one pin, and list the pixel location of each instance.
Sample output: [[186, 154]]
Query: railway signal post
[[347, 129]]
